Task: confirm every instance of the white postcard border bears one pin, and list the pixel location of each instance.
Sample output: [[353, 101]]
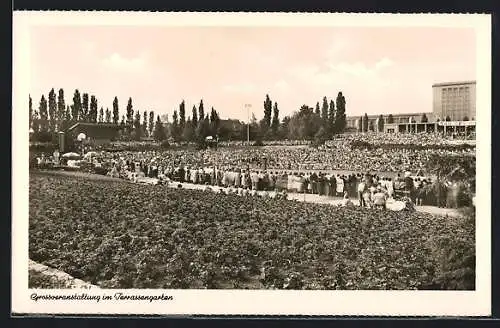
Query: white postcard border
[[265, 302]]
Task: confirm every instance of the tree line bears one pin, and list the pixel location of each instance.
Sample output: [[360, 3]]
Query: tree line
[[54, 115], [320, 123]]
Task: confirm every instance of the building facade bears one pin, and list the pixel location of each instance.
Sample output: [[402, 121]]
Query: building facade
[[454, 101], [353, 123]]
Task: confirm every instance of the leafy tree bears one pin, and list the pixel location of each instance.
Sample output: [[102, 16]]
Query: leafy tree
[[30, 113], [182, 116], [321, 135], [137, 126], [159, 131], [203, 129], [331, 118], [151, 122], [145, 123], [424, 118], [85, 108], [283, 129], [390, 119], [123, 122], [340, 117], [52, 111], [365, 123], [130, 114], [116, 113], [275, 124], [201, 112], [92, 115], [304, 124], [214, 122], [61, 107], [101, 115], [195, 117], [380, 126], [67, 118], [175, 126], [188, 132], [448, 119], [76, 110], [42, 109], [317, 108], [108, 115]]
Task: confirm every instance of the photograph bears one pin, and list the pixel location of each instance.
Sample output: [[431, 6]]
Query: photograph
[[249, 153]]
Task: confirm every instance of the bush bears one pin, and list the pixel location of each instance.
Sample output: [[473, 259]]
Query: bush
[[165, 145], [45, 147], [43, 137], [258, 143]]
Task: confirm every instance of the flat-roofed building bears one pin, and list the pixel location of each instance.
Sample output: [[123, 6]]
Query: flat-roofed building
[[353, 123], [454, 101]]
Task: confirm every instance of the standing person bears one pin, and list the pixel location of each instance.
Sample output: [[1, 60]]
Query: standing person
[[321, 184], [409, 187], [361, 191], [333, 185], [340, 185], [379, 198], [418, 192], [272, 181], [326, 181], [452, 194], [244, 179], [213, 180], [255, 180], [314, 182], [390, 188], [237, 178]]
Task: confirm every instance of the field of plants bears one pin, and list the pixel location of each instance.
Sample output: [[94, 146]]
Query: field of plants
[[120, 235]]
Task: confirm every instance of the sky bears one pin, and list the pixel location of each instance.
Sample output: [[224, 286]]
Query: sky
[[379, 70]]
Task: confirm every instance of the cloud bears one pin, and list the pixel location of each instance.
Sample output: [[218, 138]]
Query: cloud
[[383, 63], [356, 69], [118, 62], [239, 88], [282, 85]]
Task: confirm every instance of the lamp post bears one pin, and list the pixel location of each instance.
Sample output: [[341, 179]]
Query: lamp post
[[247, 107]]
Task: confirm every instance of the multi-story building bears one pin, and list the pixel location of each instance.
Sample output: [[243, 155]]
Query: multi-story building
[[454, 110], [454, 101]]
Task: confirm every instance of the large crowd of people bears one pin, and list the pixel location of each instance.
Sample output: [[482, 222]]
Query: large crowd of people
[[335, 155], [334, 169]]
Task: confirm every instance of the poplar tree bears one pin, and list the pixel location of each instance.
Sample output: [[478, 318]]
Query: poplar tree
[[151, 122], [108, 115], [116, 113], [85, 108], [42, 109], [275, 124], [76, 109], [340, 117], [61, 108], [52, 111]]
